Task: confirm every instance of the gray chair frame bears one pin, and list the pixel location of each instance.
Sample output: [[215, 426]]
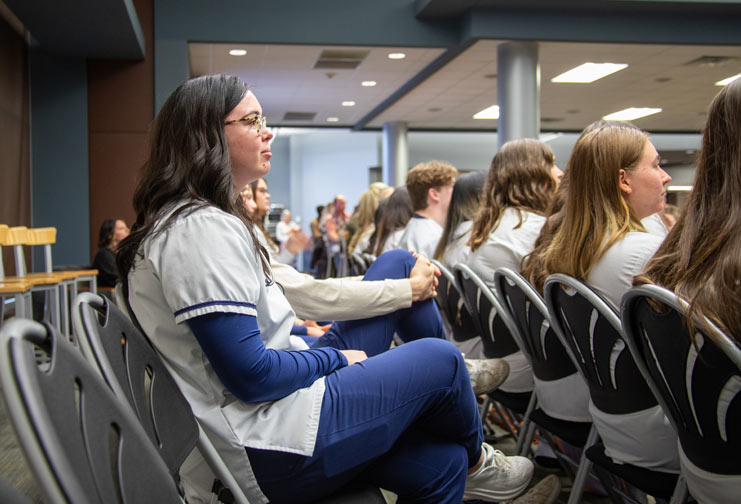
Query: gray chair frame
[[639, 344], [517, 281], [450, 283], [597, 389], [88, 329], [86, 309], [82, 444], [463, 272]]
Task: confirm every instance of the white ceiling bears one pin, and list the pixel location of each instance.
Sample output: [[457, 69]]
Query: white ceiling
[[284, 80]]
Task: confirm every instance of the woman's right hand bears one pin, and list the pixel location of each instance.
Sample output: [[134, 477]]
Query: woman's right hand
[[423, 279], [297, 241], [354, 356]]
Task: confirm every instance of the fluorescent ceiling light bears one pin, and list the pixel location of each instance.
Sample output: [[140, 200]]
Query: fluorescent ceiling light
[[727, 81], [333, 119], [397, 55], [631, 113], [679, 188], [488, 113], [368, 83], [550, 136], [237, 52], [348, 103], [589, 72]]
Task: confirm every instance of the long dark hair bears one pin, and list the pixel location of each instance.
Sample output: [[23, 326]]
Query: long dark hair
[[396, 213], [105, 235], [700, 259], [189, 166], [464, 205]]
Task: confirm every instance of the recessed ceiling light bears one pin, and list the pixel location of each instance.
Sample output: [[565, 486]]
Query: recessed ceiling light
[[589, 72], [237, 52], [550, 136], [333, 119], [397, 55], [727, 81], [631, 113], [348, 103], [679, 188], [368, 83], [488, 113]]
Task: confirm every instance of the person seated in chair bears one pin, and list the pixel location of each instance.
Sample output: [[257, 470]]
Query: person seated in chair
[[201, 285]]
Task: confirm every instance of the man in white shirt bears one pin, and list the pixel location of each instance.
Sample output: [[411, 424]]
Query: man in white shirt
[[430, 187]]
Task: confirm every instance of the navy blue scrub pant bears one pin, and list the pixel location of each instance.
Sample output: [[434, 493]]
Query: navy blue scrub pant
[[404, 419]]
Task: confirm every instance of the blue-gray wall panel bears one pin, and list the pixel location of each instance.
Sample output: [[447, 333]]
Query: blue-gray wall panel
[[59, 154], [380, 22]]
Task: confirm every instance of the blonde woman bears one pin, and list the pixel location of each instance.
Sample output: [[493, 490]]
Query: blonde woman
[[363, 219]]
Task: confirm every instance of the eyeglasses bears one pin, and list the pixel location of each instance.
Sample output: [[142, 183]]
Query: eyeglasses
[[258, 121]]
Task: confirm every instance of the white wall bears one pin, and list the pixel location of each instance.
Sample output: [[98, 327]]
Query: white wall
[[326, 163], [323, 163]]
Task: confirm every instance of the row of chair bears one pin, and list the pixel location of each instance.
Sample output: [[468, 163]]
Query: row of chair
[[628, 366], [58, 286], [100, 419]]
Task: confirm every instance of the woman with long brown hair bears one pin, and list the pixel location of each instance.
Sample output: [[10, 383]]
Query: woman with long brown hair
[[700, 260], [614, 180], [517, 192]]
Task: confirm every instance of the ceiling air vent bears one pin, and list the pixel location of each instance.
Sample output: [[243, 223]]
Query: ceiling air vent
[[299, 116], [711, 61], [340, 59], [551, 119]]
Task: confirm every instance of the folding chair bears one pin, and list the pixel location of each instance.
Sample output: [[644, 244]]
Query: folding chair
[[82, 444], [554, 374], [357, 264], [590, 329], [498, 332], [136, 373], [696, 379], [450, 301]]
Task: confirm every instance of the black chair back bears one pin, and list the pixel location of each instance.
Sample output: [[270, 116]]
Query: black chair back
[[497, 330], [698, 384], [137, 375], [357, 264], [590, 329], [541, 346], [82, 443], [450, 302]]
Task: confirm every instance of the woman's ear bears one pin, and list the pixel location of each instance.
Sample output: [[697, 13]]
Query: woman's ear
[[624, 182]]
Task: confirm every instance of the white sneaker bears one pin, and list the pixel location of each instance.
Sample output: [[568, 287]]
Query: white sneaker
[[486, 374], [499, 478]]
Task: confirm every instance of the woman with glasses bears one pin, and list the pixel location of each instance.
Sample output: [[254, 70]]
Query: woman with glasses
[[292, 423]]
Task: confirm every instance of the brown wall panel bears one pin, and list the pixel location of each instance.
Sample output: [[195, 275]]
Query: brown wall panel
[[117, 158], [15, 189], [120, 112]]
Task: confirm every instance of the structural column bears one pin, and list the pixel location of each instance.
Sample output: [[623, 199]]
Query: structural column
[[395, 153], [518, 90]]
